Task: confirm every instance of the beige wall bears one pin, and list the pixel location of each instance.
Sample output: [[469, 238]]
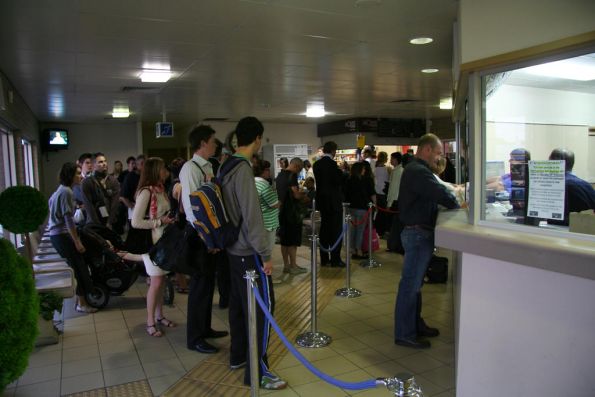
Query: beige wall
[[491, 27], [116, 140]]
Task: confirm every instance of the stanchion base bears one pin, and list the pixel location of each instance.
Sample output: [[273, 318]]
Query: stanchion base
[[348, 292], [370, 263], [313, 339]]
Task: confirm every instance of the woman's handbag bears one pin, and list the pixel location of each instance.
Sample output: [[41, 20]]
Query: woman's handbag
[[375, 242], [139, 241], [170, 252]]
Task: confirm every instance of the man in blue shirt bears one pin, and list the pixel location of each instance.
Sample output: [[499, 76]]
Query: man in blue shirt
[[579, 194], [419, 196]]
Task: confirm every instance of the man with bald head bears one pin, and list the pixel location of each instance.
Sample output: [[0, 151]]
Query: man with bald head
[[419, 196], [579, 194]]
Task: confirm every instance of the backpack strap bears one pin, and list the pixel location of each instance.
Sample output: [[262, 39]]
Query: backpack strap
[[228, 165], [201, 170]]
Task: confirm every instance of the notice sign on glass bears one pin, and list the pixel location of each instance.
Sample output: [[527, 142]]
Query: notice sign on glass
[[546, 189]]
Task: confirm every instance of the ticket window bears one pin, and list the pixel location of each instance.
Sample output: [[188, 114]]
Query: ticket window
[[528, 112]]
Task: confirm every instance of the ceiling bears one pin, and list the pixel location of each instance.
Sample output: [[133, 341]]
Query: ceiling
[[71, 59]]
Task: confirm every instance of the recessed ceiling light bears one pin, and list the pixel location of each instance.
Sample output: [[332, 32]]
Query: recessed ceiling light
[[430, 70], [446, 104], [571, 69], [120, 113], [421, 40], [315, 110], [155, 76]]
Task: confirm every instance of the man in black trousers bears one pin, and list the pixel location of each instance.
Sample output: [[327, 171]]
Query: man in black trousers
[[202, 284], [329, 200]]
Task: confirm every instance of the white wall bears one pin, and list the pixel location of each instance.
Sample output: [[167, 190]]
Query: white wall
[[491, 27], [539, 139], [524, 331], [513, 103], [117, 141]]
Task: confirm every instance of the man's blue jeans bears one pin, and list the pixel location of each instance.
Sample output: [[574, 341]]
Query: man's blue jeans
[[419, 246]]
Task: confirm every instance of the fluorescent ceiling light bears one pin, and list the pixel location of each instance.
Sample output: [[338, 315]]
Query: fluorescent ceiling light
[[430, 70], [155, 76], [571, 69], [315, 110], [120, 113], [421, 40], [446, 104]]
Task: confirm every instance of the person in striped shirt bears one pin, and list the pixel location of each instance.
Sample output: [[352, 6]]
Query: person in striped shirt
[[269, 203]]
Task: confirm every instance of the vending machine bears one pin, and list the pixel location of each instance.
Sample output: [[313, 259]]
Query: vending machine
[[274, 153]]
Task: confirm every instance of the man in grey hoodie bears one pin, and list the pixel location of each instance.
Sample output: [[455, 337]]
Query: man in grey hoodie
[[250, 252]]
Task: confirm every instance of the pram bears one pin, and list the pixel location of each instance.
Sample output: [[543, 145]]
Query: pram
[[111, 274]]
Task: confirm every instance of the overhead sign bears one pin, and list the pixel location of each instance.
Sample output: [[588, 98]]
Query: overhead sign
[[164, 130]]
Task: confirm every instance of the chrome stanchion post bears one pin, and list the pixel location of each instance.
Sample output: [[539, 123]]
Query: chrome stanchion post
[[252, 333], [401, 385], [347, 292], [370, 263], [313, 338]]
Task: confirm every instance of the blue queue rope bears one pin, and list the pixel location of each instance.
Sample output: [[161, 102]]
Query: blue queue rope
[[368, 384], [331, 249]]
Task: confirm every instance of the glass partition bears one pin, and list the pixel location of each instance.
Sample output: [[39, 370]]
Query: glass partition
[[538, 153]]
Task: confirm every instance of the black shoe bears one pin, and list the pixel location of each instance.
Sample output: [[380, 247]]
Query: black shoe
[[338, 264], [202, 346], [325, 264], [428, 332], [217, 334], [415, 344], [237, 365]]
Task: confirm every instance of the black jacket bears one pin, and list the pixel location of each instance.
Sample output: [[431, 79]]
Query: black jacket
[[329, 185]]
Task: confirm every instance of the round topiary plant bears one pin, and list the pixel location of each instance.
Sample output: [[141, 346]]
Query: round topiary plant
[[19, 308], [22, 209]]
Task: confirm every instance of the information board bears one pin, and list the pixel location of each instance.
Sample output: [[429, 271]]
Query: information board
[[546, 189]]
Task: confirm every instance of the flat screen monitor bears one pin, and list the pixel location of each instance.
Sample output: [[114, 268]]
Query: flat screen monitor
[[55, 139]]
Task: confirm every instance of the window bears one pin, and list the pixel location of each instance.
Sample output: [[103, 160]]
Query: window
[[537, 152], [9, 175], [28, 163]]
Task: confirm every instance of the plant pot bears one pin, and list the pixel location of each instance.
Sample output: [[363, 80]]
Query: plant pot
[[48, 335]]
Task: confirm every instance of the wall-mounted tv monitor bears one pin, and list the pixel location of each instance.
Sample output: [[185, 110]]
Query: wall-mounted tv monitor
[[55, 139]]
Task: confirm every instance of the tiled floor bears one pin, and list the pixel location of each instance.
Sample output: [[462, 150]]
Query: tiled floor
[[111, 347]]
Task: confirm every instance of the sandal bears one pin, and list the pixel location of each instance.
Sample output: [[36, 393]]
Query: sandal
[[181, 290], [165, 322], [85, 309], [153, 331]]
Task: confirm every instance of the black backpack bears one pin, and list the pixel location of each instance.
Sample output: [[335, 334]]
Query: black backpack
[[437, 272]]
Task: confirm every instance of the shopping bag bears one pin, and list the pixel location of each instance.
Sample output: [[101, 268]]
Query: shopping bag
[[375, 241]]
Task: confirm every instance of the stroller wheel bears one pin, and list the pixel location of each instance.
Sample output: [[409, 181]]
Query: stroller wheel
[[168, 292], [98, 297]]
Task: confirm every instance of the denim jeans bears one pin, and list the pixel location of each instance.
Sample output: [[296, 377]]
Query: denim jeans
[[357, 230], [419, 246], [65, 247]]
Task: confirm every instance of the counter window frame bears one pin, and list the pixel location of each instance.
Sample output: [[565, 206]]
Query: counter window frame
[[477, 120]]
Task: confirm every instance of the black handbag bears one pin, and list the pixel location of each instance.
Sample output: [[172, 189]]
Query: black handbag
[[171, 252], [139, 241]]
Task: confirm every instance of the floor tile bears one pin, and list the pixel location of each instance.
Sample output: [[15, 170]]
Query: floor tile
[[40, 374], [156, 354], [419, 362], [80, 341], [119, 360], [41, 389], [117, 335], [80, 367], [79, 353], [43, 358], [118, 376], [442, 376], [163, 367], [162, 383], [319, 388], [81, 383]]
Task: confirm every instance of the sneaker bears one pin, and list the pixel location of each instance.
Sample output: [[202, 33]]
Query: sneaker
[[297, 270], [272, 383], [277, 281]]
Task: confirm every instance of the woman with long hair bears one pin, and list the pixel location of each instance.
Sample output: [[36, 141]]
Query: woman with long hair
[[359, 191], [151, 211], [64, 236]]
